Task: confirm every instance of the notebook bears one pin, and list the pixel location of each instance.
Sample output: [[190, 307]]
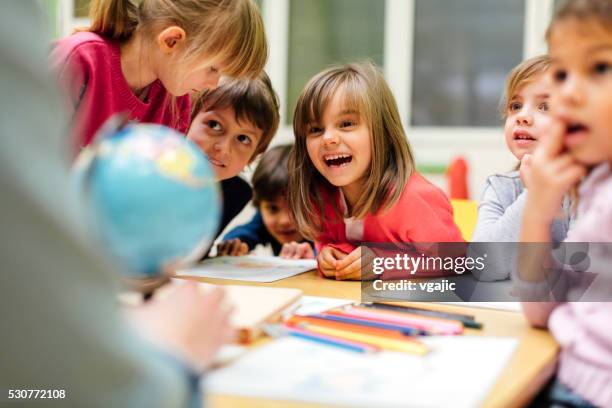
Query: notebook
[[250, 268], [255, 306]]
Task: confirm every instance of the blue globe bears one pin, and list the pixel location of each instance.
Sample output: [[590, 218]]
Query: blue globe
[[154, 199]]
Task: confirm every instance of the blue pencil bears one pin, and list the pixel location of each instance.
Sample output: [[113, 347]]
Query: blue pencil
[[330, 341], [404, 330]]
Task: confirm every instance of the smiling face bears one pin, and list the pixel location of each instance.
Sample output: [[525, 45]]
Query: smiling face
[[340, 147], [228, 143], [278, 221], [581, 54], [527, 117]]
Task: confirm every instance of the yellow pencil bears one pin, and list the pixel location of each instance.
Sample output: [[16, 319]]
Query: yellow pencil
[[408, 346]]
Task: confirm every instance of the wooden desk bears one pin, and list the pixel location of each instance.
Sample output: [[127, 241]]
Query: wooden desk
[[530, 367]]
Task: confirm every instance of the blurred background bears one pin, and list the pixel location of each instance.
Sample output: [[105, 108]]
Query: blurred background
[[445, 60]]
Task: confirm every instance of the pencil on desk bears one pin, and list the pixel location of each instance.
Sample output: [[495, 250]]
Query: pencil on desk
[[466, 320], [404, 330], [329, 340], [408, 345], [431, 324], [329, 321]]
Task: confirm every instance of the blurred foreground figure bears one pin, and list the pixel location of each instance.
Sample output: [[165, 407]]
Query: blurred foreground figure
[[62, 328]]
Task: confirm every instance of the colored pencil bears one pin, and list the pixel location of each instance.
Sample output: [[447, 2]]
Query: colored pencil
[[322, 338], [402, 329], [408, 346], [333, 324], [431, 324], [466, 320]]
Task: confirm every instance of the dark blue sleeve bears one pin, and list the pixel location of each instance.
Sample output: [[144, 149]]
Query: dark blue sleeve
[[252, 233]]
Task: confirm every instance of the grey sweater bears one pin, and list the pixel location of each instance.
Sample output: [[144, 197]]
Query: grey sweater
[[500, 215]]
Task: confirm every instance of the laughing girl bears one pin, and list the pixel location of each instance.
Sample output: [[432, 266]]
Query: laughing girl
[[352, 172]]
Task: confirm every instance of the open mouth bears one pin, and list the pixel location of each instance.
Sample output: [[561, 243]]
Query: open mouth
[[574, 128], [524, 136], [216, 162], [338, 160]]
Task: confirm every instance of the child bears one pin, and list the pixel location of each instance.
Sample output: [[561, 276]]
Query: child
[[525, 110], [580, 43], [233, 124], [272, 223], [145, 59], [351, 173]]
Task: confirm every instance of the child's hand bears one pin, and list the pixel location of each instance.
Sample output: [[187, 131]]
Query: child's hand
[[296, 250], [351, 267], [327, 259], [525, 169], [190, 323], [232, 247], [552, 173]]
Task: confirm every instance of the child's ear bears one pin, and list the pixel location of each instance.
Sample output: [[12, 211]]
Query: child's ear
[[171, 38]]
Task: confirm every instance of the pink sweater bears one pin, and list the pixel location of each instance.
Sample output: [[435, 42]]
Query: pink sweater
[[89, 71], [584, 329]]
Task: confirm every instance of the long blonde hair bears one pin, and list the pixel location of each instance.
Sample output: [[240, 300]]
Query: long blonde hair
[[365, 91], [230, 31]]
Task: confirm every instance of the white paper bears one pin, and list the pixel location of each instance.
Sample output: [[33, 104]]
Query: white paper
[[250, 268], [458, 372], [317, 304]]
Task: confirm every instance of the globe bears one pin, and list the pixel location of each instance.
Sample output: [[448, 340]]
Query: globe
[[153, 197]]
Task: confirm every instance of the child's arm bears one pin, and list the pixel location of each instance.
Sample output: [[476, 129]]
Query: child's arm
[[244, 238], [552, 173], [497, 224]]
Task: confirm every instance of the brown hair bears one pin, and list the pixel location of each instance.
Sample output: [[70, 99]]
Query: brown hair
[[521, 75], [252, 100], [365, 91], [229, 31], [271, 176], [599, 11]]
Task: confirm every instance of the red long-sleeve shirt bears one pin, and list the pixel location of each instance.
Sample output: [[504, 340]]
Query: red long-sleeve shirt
[[89, 72], [422, 214]]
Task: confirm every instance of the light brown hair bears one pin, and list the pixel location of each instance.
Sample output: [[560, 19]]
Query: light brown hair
[[520, 76], [365, 91], [229, 31], [584, 11], [253, 100]]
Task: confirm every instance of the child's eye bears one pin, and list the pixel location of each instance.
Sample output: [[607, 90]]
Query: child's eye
[[543, 107], [244, 139], [314, 130], [560, 75], [214, 69], [347, 123], [214, 125], [515, 106], [601, 68]]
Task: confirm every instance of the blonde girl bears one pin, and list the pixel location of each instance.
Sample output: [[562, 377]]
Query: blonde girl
[[352, 178], [525, 110], [145, 57]]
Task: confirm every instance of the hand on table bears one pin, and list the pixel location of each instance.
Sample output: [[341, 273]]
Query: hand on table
[[297, 250], [232, 247], [189, 323]]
